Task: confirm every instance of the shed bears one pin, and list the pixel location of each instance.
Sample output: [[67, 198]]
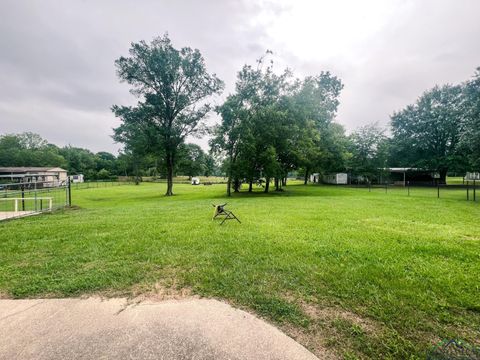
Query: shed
[[412, 176]]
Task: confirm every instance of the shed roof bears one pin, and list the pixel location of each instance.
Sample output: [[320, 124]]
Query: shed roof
[[405, 169], [23, 169]]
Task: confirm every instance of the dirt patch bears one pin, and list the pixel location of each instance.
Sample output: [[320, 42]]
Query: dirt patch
[[73, 207], [330, 314], [4, 295], [312, 339], [161, 292]]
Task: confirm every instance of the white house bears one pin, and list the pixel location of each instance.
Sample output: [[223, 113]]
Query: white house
[[48, 176]]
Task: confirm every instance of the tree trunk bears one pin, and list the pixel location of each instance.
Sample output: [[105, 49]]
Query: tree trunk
[[136, 174], [284, 181], [229, 181], [236, 185], [443, 176], [267, 184], [306, 177], [277, 188], [169, 175], [250, 186]]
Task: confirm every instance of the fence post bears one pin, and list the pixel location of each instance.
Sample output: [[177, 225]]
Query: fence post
[[35, 194], [69, 189], [438, 191], [22, 187], [474, 191]]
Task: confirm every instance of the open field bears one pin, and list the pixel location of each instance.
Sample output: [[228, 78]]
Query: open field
[[365, 274]]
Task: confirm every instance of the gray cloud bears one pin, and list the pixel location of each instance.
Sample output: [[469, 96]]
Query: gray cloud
[[56, 57]]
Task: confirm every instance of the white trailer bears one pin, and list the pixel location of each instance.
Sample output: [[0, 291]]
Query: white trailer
[[76, 178], [336, 179]]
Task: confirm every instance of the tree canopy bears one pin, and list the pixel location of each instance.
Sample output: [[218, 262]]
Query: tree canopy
[[274, 124], [173, 86], [470, 137], [368, 147], [427, 133]]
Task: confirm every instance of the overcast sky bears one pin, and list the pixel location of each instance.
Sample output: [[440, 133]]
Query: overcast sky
[[57, 76]]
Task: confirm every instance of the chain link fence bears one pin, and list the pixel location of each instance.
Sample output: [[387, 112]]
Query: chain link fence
[[29, 198], [100, 184], [468, 191]]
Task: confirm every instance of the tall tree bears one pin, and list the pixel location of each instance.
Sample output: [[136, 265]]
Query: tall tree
[[173, 86], [333, 145], [210, 165], [471, 132], [314, 105], [427, 133], [228, 135], [369, 151], [250, 121]]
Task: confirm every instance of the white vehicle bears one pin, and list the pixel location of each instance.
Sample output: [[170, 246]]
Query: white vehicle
[[195, 181]]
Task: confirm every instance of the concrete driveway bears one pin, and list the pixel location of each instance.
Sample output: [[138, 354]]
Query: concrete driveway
[[111, 329]]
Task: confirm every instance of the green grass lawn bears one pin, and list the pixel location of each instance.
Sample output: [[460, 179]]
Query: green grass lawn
[[458, 180], [365, 274]]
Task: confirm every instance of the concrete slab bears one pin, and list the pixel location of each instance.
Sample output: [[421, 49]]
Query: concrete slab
[[111, 329], [4, 215]]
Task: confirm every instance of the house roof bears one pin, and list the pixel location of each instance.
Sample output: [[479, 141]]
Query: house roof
[[22, 169]]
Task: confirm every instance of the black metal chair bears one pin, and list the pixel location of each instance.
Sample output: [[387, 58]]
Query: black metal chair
[[220, 211]]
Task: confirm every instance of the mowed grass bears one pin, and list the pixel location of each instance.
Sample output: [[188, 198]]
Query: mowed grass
[[364, 274]]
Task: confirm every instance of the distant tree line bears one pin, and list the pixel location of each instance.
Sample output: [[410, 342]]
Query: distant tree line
[[31, 150]]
